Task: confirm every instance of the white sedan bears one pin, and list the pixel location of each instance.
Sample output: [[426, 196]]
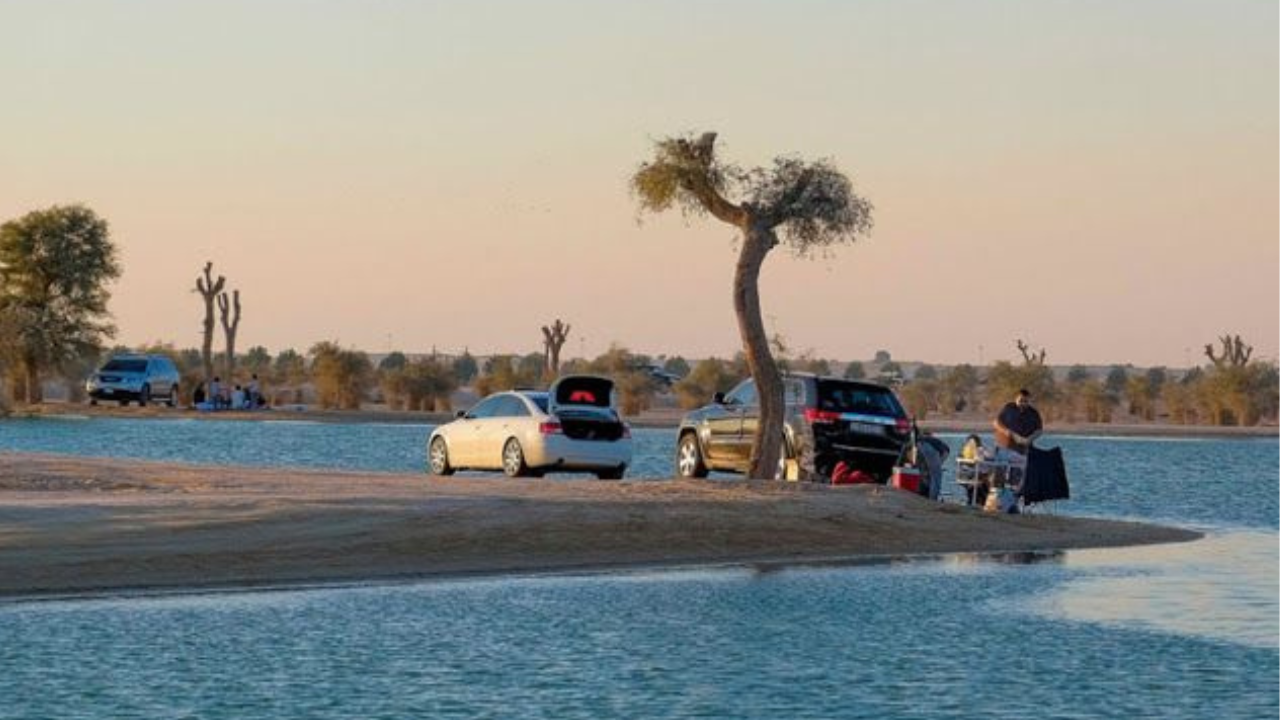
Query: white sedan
[[574, 426]]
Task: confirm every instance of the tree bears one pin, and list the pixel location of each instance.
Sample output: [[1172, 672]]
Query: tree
[[465, 367], [553, 339], [1077, 374], [230, 324], [708, 377], [1235, 353], [854, 371], [957, 388], [393, 361], [54, 268], [341, 376], [257, 360], [808, 206], [1117, 378], [925, 372], [677, 366], [209, 289]]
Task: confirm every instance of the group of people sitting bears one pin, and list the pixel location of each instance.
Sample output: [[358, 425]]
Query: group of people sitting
[[236, 397]]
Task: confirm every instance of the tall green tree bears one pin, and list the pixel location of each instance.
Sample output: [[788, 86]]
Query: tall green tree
[[807, 206], [55, 265]]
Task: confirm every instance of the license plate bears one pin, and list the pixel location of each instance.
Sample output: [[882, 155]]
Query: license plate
[[107, 391], [866, 428]]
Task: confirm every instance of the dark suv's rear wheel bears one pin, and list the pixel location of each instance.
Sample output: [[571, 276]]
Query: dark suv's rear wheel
[[689, 461], [144, 397]]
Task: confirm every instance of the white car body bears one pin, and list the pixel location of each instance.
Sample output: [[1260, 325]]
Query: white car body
[[574, 426]]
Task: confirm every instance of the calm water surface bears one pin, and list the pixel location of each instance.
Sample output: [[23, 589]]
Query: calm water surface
[[1175, 631]]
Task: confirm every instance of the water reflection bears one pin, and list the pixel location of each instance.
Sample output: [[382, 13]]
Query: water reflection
[[1223, 587]]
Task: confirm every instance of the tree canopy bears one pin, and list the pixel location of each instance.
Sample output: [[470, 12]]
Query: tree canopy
[[55, 265]]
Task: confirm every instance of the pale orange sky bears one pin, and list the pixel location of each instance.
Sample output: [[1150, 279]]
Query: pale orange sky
[[1097, 178]]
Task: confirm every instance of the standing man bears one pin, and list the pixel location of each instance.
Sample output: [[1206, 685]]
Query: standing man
[[1018, 424]]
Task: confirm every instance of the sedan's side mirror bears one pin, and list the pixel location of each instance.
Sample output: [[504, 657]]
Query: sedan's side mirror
[[460, 414], [718, 398]]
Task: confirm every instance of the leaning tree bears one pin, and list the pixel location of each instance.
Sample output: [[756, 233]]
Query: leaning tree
[[807, 206], [54, 268]]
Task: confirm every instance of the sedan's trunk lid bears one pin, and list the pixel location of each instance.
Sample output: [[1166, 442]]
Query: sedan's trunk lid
[[584, 405]]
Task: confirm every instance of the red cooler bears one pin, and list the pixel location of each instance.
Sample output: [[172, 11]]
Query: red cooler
[[906, 478]]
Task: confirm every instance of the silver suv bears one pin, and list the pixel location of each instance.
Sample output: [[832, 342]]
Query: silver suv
[[135, 377]]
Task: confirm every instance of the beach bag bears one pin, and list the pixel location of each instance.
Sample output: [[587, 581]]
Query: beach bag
[[844, 474]]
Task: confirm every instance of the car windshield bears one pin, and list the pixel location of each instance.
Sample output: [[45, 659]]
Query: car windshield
[[129, 366], [847, 397]]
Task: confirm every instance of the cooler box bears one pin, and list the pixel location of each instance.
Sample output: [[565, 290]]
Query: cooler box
[[905, 478]]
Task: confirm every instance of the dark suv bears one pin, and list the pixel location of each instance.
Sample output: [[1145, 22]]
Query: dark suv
[[828, 420]]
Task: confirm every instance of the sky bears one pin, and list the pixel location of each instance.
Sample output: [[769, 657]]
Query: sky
[[1097, 178]]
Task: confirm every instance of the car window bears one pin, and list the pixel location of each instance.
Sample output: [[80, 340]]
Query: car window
[[486, 408], [744, 394], [794, 392], [858, 398], [122, 365], [539, 399], [513, 406]]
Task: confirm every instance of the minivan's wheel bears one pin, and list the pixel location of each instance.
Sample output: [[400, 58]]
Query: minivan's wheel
[[438, 455], [144, 397], [689, 462], [513, 459], [173, 397], [612, 473]]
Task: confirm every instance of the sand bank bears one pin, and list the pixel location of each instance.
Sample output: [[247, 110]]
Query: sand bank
[[70, 525]]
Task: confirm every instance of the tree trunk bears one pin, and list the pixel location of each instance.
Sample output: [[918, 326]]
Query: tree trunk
[[766, 447], [206, 349], [31, 379]]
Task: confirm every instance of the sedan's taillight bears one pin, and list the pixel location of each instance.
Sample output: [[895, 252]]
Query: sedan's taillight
[[550, 427], [902, 425], [814, 415]]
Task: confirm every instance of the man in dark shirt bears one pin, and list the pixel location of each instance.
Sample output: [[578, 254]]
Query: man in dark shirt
[[1018, 424]]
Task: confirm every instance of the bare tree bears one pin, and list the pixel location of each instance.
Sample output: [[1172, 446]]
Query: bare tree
[[553, 339], [808, 206], [1029, 356], [208, 289], [230, 323], [1235, 353]]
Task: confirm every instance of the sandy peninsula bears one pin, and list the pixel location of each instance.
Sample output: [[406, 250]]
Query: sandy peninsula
[[86, 525]]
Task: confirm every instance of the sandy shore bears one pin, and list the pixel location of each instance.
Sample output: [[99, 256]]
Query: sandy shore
[[74, 525]]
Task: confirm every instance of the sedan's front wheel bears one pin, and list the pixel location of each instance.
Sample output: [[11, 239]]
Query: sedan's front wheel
[[438, 454], [513, 464]]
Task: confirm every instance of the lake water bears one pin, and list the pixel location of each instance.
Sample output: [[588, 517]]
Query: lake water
[[1175, 631]]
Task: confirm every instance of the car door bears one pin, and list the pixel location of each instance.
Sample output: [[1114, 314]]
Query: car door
[[793, 397], [739, 445], [724, 425], [501, 425], [464, 436]]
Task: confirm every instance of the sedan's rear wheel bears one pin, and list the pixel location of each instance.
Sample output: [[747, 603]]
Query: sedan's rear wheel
[[513, 464], [438, 455], [173, 397], [689, 461]]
